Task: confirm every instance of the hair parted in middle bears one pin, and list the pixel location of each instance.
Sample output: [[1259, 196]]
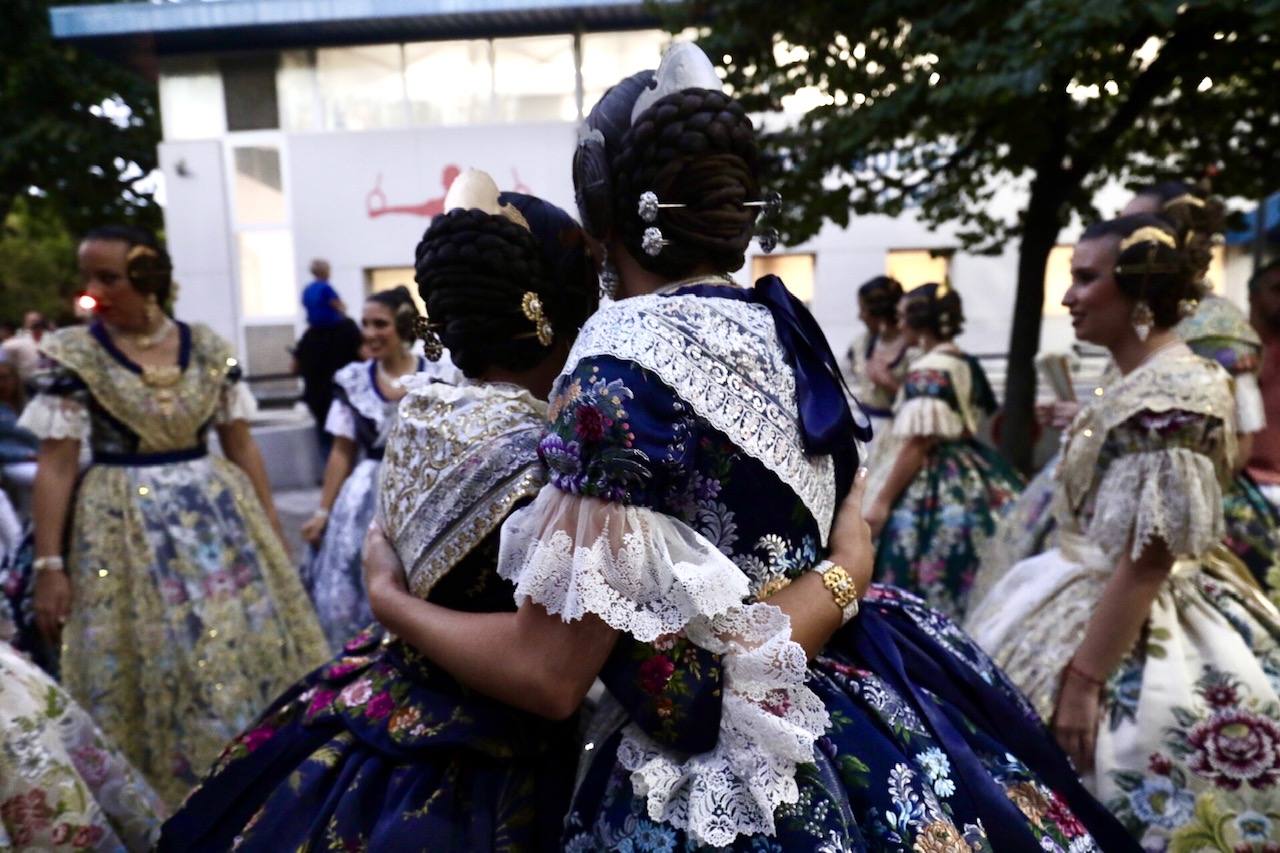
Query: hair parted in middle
[[399, 301], [694, 147], [1149, 264], [476, 266], [936, 309]]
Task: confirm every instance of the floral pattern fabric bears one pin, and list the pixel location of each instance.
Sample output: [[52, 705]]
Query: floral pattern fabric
[[188, 617], [885, 773], [62, 785], [1186, 753]]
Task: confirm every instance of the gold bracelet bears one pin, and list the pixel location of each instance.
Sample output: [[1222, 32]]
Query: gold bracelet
[[841, 587]]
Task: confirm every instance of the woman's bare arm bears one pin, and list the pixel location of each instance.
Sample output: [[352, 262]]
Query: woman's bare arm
[[57, 468], [238, 446], [910, 459]]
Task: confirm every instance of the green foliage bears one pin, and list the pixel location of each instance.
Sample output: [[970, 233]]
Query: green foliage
[[56, 141], [37, 265], [965, 98]]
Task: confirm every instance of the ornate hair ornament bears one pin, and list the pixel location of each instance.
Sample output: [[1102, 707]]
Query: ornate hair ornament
[[653, 242], [650, 205], [147, 269], [1149, 234], [531, 306], [683, 66], [475, 190], [428, 333], [1185, 198]]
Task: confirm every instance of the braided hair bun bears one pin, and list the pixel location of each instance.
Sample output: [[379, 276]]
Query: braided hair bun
[[474, 270], [1197, 217], [936, 309], [399, 301], [1151, 268]]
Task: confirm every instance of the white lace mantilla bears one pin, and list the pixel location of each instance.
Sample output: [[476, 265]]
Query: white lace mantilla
[[650, 575], [1172, 495], [722, 357]]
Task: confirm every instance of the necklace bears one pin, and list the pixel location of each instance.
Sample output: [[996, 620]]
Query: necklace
[[718, 278], [392, 381], [145, 340]]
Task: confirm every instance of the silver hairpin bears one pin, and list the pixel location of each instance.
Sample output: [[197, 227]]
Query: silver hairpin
[[653, 242], [649, 206], [771, 203], [768, 240]]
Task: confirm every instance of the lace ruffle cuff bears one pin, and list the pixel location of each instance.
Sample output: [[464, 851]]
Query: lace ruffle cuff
[[1172, 495], [55, 417], [236, 404], [649, 574], [927, 416]]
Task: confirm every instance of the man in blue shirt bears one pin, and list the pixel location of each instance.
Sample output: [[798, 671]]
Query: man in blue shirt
[[332, 340]]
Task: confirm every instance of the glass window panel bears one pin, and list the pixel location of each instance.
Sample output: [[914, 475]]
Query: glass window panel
[[300, 107], [386, 278], [914, 267], [267, 287], [249, 91], [449, 82], [796, 272], [259, 190], [608, 57], [534, 79], [191, 99], [361, 88]]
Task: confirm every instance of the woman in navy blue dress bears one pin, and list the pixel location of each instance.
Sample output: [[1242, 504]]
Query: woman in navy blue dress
[[698, 447], [381, 749]]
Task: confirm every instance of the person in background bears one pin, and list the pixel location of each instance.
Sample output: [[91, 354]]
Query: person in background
[[879, 357], [332, 341], [1264, 314], [17, 445], [7, 331], [24, 346]]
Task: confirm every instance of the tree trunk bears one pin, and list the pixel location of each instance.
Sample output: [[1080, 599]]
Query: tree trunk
[[1040, 232]]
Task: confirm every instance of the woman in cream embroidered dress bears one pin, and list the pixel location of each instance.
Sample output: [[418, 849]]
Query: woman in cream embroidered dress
[[880, 356], [936, 491], [1140, 638], [179, 611]]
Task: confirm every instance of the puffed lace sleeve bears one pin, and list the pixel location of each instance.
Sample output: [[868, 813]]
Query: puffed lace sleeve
[[1161, 481], [235, 404], [60, 409], [928, 406], [341, 421], [592, 543], [1250, 416]]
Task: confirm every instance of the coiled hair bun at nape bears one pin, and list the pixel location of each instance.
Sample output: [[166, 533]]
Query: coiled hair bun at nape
[[399, 301], [147, 264], [934, 308], [495, 270], [1150, 266]]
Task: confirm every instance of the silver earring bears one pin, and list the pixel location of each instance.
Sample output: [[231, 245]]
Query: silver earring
[[609, 279], [1142, 319], [768, 240]]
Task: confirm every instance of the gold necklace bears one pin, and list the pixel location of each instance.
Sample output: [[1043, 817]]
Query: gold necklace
[[144, 340]]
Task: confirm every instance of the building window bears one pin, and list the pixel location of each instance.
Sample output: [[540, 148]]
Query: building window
[[387, 278], [361, 88], [608, 57], [914, 267], [534, 79], [259, 187], [191, 102], [300, 107], [263, 239], [796, 272], [1057, 278], [449, 82], [267, 287], [249, 91]]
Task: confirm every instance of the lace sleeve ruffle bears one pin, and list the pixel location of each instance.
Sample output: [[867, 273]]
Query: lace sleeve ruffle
[[1250, 416], [648, 574], [237, 404], [341, 421], [1171, 494], [927, 416], [50, 416]]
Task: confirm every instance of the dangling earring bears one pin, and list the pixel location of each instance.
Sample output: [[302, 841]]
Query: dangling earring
[[609, 278], [1142, 319]]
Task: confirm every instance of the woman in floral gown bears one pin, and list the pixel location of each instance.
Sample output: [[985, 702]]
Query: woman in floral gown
[[1140, 637], [366, 394], [187, 615], [938, 492], [698, 447], [381, 749], [879, 357]]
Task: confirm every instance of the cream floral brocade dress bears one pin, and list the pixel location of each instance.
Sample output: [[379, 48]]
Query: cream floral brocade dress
[[1188, 748], [187, 617]]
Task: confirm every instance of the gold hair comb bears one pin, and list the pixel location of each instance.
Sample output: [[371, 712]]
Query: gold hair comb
[[531, 305], [1148, 234], [1185, 198]]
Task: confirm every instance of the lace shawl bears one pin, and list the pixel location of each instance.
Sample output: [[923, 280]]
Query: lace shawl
[[649, 574], [458, 459], [723, 358], [1159, 489]]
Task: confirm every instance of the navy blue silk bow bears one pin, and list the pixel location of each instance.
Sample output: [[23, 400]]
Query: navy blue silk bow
[[828, 424]]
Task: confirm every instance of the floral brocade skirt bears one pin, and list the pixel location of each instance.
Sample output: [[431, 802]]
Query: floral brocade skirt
[[333, 576], [379, 750], [62, 785], [930, 543], [188, 617], [1188, 749], [930, 750]]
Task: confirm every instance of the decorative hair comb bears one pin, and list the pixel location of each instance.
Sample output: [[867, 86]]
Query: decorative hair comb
[[1148, 234], [531, 306], [427, 332]]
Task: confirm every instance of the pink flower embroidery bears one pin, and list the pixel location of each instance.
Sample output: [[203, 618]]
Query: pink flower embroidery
[[379, 706], [591, 423], [257, 737], [356, 693], [655, 673], [321, 700], [1234, 747]]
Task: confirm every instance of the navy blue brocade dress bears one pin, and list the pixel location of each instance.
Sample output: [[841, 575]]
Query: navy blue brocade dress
[[677, 498]]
